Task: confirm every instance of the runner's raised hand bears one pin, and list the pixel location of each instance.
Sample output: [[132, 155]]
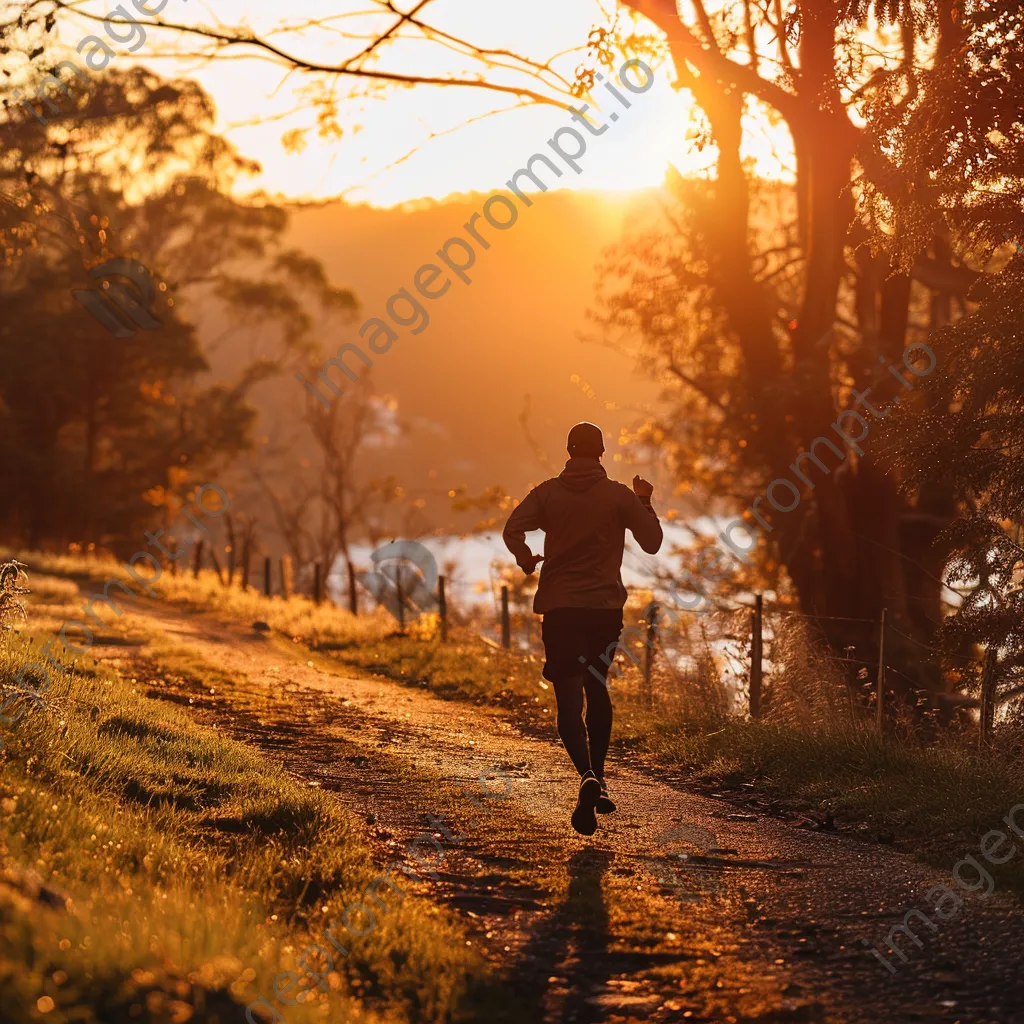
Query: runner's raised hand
[[641, 488]]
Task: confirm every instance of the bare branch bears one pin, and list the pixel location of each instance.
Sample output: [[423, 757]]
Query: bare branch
[[248, 39], [709, 60], [402, 19]]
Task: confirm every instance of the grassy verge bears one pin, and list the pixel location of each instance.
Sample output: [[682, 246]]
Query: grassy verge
[[933, 799], [465, 669], [297, 616], [153, 869]]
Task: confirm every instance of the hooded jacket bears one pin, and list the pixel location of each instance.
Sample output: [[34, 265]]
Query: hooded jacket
[[584, 516]]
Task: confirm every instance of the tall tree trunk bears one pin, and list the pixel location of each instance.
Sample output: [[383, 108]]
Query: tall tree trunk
[[845, 546]]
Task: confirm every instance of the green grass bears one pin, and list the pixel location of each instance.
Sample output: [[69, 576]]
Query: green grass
[[463, 669], [196, 869]]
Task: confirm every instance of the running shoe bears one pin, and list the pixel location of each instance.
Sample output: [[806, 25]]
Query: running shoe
[[584, 820], [605, 804]]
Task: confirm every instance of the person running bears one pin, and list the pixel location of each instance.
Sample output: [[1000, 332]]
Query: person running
[[584, 516]]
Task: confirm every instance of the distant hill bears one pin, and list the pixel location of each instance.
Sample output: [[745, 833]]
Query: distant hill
[[461, 384]]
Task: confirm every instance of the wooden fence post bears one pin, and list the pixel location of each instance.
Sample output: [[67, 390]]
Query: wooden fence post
[[652, 638], [267, 585], [353, 597], [442, 608], [987, 714], [287, 576], [506, 625], [174, 561], [217, 566], [317, 596], [756, 655], [401, 598], [246, 557], [880, 685], [198, 561]]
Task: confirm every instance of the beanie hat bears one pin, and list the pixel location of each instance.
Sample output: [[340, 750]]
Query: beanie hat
[[585, 440]]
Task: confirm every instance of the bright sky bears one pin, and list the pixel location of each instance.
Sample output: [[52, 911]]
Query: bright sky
[[402, 144]]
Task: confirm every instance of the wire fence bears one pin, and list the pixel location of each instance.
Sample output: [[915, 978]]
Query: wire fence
[[756, 659]]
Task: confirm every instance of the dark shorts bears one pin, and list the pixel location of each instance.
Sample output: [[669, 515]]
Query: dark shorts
[[575, 640]]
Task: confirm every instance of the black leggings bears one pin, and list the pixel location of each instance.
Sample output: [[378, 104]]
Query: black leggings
[[586, 746]]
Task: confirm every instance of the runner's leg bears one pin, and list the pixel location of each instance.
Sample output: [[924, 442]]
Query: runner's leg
[[565, 641], [563, 649], [569, 695], [602, 631], [599, 722]]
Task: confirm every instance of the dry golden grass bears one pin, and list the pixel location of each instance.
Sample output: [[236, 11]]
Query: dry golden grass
[[296, 616]]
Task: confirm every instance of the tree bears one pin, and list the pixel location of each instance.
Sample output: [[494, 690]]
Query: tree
[[770, 312], [956, 174], [320, 509], [96, 429], [365, 38]]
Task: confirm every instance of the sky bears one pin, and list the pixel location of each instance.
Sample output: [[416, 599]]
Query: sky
[[400, 144]]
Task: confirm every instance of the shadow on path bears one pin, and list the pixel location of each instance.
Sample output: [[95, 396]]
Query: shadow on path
[[562, 972]]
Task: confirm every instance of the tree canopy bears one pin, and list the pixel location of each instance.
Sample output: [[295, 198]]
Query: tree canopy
[[98, 431], [957, 180]]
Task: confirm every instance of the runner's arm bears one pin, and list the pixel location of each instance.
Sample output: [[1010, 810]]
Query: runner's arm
[[525, 516], [642, 521]]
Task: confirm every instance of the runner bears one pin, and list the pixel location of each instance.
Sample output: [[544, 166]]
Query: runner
[[584, 516]]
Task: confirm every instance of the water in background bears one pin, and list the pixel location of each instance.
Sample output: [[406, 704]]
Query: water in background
[[474, 555]]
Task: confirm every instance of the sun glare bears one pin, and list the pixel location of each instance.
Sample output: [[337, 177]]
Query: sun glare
[[428, 142]]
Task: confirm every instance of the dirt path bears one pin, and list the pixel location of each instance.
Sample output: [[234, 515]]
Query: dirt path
[[767, 927]]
